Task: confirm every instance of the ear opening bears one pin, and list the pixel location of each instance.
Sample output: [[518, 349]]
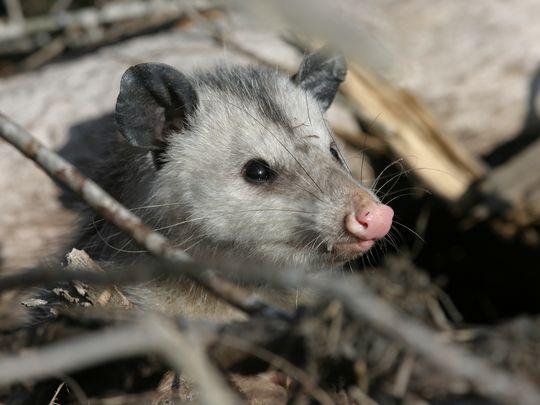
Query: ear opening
[[155, 99], [321, 73]]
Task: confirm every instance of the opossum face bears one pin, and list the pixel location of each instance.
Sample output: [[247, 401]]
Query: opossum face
[[247, 165]]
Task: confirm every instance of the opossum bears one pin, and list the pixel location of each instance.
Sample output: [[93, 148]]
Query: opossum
[[233, 164]]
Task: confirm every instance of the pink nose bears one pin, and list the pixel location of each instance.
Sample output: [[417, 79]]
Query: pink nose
[[372, 223]]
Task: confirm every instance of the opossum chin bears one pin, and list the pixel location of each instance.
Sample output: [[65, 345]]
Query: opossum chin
[[352, 250], [331, 253], [326, 256]]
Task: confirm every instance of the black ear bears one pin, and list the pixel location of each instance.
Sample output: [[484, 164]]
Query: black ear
[[154, 100], [321, 73]]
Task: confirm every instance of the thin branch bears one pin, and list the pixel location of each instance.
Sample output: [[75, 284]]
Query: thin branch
[[89, 18], [55, 395], [190, 358], [302, 377], [14, 11]]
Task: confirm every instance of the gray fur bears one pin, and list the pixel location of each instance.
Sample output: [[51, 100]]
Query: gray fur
[[199, 199], [154, 100], [321, 73]]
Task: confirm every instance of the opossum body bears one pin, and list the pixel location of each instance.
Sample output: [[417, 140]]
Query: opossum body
[[233, 164]]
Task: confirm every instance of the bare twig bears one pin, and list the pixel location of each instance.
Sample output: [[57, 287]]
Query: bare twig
[[189, 357], [53, 275], [89, 18], [46, 36], [14, 11], [75, 354], [45, 54], [308, 383], [362, 399], [53, 399]]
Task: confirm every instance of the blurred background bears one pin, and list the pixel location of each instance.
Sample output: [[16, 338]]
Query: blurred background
[[441, 98]]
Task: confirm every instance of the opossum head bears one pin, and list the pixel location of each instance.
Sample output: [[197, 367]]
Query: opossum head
[[246, 165]]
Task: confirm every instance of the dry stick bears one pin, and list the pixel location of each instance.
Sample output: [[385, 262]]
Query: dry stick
[[308, 382], [151, 334], [14, 11], [190, 358], [356, 296], [53, 275], [156, 244], [89, 18], [89, 27], [53, 399]]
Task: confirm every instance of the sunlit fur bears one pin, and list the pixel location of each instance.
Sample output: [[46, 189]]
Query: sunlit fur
[[200, 200]]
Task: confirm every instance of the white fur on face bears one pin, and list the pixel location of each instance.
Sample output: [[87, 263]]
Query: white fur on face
[[290, 221]]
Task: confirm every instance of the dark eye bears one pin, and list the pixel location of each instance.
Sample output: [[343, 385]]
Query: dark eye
[[258, 171], [335, 153]]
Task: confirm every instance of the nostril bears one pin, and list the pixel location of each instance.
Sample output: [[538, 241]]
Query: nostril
[[371, 224], [362, 222], [364, 218]]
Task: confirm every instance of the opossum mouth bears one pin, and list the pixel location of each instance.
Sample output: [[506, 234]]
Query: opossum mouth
[[343, 250], [347, 250], [352, 249]]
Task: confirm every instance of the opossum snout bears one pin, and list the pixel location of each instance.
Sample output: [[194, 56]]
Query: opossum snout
[[371, 223]]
